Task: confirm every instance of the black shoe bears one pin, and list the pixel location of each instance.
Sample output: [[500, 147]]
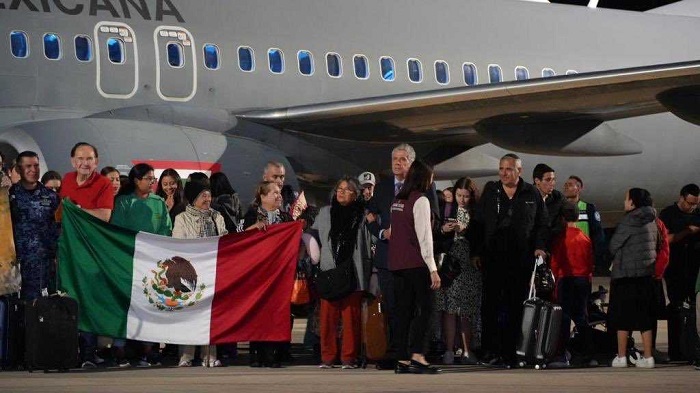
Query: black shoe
[[401, 368], [420, 368], [256, 364], [275, 365]]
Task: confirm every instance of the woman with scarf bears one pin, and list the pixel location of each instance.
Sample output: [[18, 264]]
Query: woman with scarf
[[198, 220], [265, 211], [346, 246]]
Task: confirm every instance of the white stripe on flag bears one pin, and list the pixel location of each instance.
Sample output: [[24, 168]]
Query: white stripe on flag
[[163, 315]]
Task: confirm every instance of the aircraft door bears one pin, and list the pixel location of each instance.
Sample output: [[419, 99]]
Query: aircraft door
[[117, 59], [176, 63]]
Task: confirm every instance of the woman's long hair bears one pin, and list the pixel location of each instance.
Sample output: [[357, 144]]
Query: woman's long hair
[[177, 197], [220, 185], [468, 184], [345, 221], [419, 177], [136, 173], [50, 175]]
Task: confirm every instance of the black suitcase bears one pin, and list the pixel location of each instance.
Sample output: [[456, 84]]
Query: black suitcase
[[540, 329], [540, 332], [11, 332], [682, 334], [51, 337]]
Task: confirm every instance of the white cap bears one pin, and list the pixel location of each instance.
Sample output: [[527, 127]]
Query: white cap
[[367, 178]]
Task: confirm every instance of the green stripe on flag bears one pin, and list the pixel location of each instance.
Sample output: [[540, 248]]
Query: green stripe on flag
[[95, 267]]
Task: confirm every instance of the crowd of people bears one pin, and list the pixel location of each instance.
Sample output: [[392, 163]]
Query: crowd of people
[[397, 232]]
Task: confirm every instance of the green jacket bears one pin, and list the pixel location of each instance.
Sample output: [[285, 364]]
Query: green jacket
[[145, 215]]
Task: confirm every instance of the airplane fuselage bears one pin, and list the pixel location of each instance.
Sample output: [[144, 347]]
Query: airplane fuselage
[[146, 108]]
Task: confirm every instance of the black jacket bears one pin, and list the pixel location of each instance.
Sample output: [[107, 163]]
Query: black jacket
[[529, 217]]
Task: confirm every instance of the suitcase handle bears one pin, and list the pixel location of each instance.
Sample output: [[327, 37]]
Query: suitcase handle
[[532, 293]]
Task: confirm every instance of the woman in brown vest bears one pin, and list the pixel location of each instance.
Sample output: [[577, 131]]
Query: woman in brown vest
[[414, 270]]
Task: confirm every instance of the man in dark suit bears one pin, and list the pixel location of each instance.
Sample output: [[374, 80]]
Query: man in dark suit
[[402, 157]]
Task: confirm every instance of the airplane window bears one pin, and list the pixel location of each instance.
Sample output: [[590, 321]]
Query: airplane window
[[495, 74], [470, 75], [361, 68], [83, 48], [306, 62], [334, 65], [246, 59], [20, 44], [115, 49], [211, 56], [52, 46], [275, 58], [176, 58], [521, 73], [415, 70], [387, 67], [571, 72], [442, 73], [548, 72]]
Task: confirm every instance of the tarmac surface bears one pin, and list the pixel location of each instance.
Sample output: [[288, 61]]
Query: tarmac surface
[[304, 376]]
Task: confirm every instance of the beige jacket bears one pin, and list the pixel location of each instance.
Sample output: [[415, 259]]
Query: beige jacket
[[188, 226]]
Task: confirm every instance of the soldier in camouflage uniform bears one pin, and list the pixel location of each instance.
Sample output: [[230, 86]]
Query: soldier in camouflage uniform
[[33, 208]]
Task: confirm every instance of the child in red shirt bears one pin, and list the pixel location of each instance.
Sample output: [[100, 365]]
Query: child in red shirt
[[572, 263]]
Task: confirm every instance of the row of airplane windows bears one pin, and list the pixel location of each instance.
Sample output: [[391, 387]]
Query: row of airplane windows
[[116, 53]]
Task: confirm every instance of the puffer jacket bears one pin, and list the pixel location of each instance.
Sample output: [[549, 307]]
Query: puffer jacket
[[633, 245]]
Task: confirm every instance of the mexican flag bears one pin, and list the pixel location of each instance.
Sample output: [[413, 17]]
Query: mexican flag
[[147, 287]]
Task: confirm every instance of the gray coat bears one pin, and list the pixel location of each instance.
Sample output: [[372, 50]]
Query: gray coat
[[362, 257], [633, 245]]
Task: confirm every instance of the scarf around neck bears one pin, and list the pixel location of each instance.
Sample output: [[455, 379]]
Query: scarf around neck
[[205, 218], [345, 221]]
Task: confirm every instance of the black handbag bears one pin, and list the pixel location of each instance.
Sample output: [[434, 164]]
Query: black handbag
[[336, 283], [448, 270], [544, 279]]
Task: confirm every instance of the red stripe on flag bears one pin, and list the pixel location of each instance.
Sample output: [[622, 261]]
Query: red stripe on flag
[[254, 278]]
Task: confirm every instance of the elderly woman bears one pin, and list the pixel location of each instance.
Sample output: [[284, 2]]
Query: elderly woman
[[632, 297], [198, 220], [265, 211], [345, 244]]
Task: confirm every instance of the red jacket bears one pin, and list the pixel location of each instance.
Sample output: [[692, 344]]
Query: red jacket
[[662, 251], [572, 254]]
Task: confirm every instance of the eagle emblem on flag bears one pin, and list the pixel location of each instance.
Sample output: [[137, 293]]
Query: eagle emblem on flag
[[173, 285]]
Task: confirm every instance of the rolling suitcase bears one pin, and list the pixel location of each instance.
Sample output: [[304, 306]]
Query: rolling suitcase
[[51, 337], [540, 329], [374, 334], [11, 332], [682, 333]]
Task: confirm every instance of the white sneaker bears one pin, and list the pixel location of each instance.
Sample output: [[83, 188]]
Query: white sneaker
[[185, 363], [619, 362], [448, 357], [215, 363], [645, 362], [205, 362]]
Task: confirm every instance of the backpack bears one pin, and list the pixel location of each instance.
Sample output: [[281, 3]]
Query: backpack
[[662, 250]]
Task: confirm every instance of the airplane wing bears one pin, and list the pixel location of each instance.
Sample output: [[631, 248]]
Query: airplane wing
[[571, 105]]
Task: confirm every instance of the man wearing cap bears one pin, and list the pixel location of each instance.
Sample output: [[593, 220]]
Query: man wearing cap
[[368, 181]]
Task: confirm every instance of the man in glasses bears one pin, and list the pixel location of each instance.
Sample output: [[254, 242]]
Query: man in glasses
[[683, 222]]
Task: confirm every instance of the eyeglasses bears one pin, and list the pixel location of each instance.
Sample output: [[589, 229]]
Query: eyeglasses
[[690, 204], [344, 190], [150, 179]]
